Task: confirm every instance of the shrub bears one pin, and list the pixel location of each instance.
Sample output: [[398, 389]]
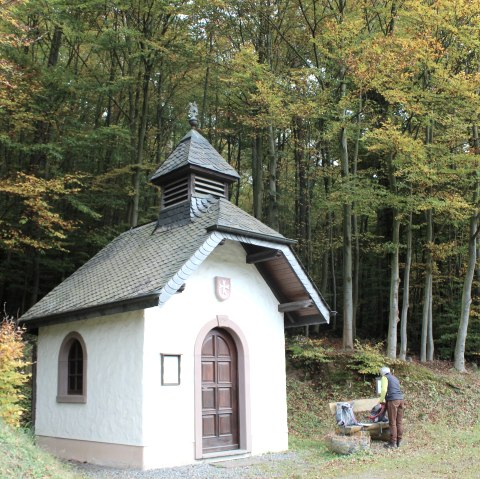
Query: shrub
[[307, 351], [13, 371], [367, 359]]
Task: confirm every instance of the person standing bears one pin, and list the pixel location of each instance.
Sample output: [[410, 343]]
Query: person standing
[[391, 393]]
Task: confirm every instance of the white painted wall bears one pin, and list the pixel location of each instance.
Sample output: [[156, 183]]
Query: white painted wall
[[173, 328], [113, 411], [126, 403]]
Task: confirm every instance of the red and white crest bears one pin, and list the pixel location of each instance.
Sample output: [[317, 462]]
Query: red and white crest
[[222, 288]]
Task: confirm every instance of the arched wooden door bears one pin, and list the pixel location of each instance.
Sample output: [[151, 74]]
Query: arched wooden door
[[219, 392]]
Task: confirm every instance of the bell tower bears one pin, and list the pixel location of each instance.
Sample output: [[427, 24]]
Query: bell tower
[[193, 171]]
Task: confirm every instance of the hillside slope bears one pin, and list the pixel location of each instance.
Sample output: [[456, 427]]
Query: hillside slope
[[442, 418], [21, 459], [434, 392]]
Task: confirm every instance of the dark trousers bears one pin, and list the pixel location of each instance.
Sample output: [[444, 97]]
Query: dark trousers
[[395, 410]]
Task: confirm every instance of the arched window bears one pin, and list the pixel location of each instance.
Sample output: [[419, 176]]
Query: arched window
[[72, 370]]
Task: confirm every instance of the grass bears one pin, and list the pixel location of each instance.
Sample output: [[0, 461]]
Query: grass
[[442, 430], [442, 426], [433, 454], [21, 459]]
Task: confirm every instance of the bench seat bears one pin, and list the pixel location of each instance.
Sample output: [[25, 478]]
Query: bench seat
[[359, 406]]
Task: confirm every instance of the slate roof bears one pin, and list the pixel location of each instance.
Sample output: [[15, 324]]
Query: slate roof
[[145, 266], [194, 149], [142, 260]]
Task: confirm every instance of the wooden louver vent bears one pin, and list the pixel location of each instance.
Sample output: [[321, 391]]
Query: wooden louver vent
[[175, 193], [207, 186]]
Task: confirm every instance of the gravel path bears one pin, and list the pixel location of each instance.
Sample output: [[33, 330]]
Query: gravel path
[[258, 467]]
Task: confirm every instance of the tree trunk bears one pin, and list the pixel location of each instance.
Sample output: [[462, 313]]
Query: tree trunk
[[36, 279], [459, 357], [406, 293], [394, 288], [430, 344], [394, 268], [301, 193], [55, 46], [133, 99], [356, 264], [427, 295], [334, 271], [140, 147], [347, 279], [273, 220], [206, 82], [257, 151], [427, 333], [159, 117], [347, 239], [324, 273], [238, 164], [39, 162]]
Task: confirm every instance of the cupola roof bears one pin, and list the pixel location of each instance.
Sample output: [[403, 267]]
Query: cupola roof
[[194, 152]]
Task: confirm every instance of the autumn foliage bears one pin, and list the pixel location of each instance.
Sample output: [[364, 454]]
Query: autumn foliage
[[13, 371], [354, 126], [36, 199]]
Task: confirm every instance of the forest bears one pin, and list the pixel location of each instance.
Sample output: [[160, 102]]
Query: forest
[[353, 125]]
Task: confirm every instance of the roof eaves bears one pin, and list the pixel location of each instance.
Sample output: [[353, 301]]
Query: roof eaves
[[312, 289], [251, 234], [148, 300], [324, 311]]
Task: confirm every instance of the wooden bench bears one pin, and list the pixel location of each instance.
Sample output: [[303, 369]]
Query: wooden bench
[[377, 430]]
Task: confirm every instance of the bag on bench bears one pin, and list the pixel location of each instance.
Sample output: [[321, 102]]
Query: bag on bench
[[379, 413], [344, 414]]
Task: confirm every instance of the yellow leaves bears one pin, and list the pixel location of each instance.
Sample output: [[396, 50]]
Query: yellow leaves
[[389, 139], [14, 81], [36, 224], [12, 371], [268, 97], [378, 61]]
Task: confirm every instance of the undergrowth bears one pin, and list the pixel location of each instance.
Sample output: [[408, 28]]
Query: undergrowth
[[319, 374], [21, 459]]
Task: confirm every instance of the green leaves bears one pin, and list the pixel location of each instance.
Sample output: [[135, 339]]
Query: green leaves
[[308, 351], [368, 358]]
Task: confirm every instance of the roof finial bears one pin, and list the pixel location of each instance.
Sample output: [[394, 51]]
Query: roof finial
[[192, 114]]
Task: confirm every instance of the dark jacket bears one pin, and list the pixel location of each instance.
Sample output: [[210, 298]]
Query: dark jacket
[[393, 390]]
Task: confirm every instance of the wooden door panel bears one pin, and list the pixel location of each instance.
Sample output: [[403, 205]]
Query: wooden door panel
[[208, 347], [224, 372], [208, 371], [219, 392], [223, 348], [225, 398], [208, 398], [225, 424], [209, 426]]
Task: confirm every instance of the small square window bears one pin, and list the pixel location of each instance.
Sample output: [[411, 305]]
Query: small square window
[[170, 369]]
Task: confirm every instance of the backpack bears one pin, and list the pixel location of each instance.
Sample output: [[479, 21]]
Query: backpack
[[379, 413], [344, 414]]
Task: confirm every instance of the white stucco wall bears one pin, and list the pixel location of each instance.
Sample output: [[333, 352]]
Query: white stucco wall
[[113, 411], [126, 403], [173, 329]]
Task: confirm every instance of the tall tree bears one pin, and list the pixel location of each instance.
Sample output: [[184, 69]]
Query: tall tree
[[459, 362]]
